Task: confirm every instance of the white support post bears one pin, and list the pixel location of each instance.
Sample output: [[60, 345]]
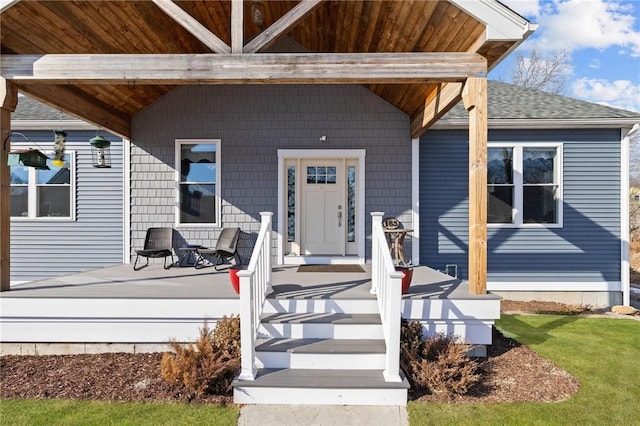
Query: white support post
[[248, 369], [267, 221], [376, 220], [393, 306]]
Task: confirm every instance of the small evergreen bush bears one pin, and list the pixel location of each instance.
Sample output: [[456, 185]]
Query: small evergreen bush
[[209, 365], [439, 364]]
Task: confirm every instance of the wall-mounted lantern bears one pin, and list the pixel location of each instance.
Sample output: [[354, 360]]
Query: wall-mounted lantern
[[28, 158], [100, 152]]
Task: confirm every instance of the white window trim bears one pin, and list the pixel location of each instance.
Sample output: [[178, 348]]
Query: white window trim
[[33, 197], [518, 184], [218, 212]]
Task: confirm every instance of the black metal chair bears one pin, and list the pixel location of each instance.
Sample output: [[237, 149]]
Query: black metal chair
[[157, 244], [226, 249]]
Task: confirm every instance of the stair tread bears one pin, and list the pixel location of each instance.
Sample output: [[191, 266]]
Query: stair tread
[[320, 318], [324, 346], [321, 379]]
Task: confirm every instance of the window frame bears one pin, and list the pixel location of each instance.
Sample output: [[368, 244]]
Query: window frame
[[518, 184], [218, 199], [32, 193]]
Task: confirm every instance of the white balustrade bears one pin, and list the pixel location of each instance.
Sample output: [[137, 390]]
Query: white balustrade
[[386, 283], [255, 285]]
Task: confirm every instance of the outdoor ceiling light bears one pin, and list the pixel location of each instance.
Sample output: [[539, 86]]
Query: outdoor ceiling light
[[257, 13]]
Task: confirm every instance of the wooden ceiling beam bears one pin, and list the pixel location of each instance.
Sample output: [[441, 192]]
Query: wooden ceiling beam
[[270, 35], [237, 26], [192, 25], [278, 68], [82, 106], [447, 95]]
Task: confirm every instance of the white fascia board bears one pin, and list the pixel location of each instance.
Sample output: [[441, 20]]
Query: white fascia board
[[497, 123], [50, 124], [502, 23], [6, 4]]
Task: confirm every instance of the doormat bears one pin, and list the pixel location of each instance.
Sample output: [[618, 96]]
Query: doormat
[[330, 268]]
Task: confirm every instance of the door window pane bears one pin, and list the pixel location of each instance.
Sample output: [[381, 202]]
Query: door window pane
[[351, 204], [322, 175], [291, 203]]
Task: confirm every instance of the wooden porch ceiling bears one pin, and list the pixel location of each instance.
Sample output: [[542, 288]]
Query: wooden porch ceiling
[[221, 34]]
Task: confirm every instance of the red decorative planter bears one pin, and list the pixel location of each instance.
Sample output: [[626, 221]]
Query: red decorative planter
[[406, 280], [235, 279]]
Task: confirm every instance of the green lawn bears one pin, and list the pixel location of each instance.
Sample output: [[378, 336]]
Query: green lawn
[[57, 412], [602, 353]]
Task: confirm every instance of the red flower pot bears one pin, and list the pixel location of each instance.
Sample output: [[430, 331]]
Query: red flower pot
[[235, 279], [406, 279]]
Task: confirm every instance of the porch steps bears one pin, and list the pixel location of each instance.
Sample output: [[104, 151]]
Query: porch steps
[[322, 325], [320, 352], [344, 354]]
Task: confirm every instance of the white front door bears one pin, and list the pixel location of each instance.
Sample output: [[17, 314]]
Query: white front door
[[321, 199], [322, 195]]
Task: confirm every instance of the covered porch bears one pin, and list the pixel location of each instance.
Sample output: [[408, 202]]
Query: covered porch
[[117, 309]]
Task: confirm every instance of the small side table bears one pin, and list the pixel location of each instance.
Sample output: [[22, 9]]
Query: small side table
[[188, 255]]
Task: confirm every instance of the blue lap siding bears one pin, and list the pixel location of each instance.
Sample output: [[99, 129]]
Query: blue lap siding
[[585, 249]]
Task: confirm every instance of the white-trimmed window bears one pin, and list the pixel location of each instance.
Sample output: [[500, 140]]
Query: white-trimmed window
[[198, 182], [44, 194], [524, 184]]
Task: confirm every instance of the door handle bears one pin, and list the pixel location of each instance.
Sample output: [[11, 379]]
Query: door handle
[[339, 219]]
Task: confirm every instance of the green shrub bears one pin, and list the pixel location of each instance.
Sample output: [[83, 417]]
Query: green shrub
[[209, 365], [439, 364]]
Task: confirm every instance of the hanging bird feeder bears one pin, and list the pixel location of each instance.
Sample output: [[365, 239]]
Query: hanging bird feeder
[[60, 137], [28, 158], [100, 152]]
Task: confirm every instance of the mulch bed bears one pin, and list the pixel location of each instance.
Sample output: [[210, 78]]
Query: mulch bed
[[512, 372]]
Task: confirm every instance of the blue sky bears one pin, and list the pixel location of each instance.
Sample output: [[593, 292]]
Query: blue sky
[[603, 39]]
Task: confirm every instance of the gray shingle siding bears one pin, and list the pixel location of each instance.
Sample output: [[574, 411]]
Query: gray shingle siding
[[45, 248], [253, 122], [586, 248]]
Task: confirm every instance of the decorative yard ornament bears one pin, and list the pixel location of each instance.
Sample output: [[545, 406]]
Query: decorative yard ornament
[[58, 148], [100, 152]]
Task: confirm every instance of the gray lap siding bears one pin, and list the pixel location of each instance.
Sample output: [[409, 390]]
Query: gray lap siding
[[585, 249], [46, 248]]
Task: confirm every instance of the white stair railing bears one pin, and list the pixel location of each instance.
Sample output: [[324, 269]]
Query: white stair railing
[[386, 283], [255, 285]]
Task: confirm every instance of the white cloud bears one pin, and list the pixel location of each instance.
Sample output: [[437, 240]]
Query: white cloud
[[579, 24], [619, 94], [595, 63]]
